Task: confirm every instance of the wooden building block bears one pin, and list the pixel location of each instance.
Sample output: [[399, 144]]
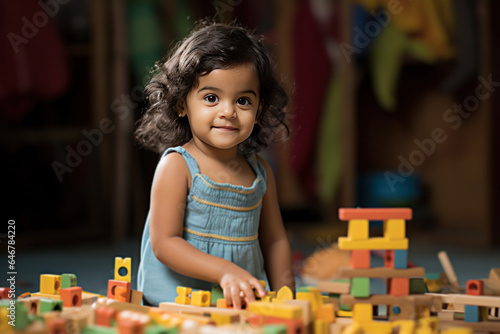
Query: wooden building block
[[362, 313], [56, 325], [195, 310], [475, 287], [326, 312], [105, 316], [375, 213], [68, 281], [360, 287], [293, 325], [123, 269], [417, 286], [494, 274], [360, 259], [32, 305], [216, 294], [377, 243], [221, 302], [283, 311], [472, 313], [50, 284], [135, 297], [358, 229], [119, 290], [346, 272], [224, 318], [396, 259], [49, 305], [274, 329], [95, 329], [200, 298], [285, 293], [305, 305], [183, 295], [340, 286], [320, 326], [398, 286], [5, 293], [313, 296], [71, 296], [394, 229], [457, 299]]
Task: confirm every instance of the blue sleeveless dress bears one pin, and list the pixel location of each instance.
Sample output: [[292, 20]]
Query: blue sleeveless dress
[[220, 219]]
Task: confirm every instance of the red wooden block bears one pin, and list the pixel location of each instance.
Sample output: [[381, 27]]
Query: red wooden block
[[105, 316], [4, 293], [475, 287], [294, 326], [119, 290], [360, 259], [398, 286], [71, 296], [128, 326], [375, 214], [56, 326]]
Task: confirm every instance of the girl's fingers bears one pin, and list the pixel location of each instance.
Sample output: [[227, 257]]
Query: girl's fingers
[[260, 289], [248, 291], [228, 297], [235, 295]]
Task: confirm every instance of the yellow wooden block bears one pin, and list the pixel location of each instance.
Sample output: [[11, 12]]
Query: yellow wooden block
[[457, 330], [224, 318], [405, 326], [320, 326], [264, 284], [201, 298], [362, 313], [345, 314], [378, 243], [284, 293], [353, 329], [395, 229], [123, 268], [183, 295], [358, 229], [312, 296], [284, 311], [326, 312], [50, 284], [378, 327]]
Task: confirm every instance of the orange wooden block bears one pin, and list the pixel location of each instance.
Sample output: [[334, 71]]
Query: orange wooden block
[[360, 259], [56, 325], [475, 288], [375, 214], [105, 316], [326, 312], [293, 325], [128, 326], [71, 296], [119, 290], [398, 286], [221, 302]]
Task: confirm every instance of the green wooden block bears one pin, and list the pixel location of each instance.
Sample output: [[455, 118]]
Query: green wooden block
[[22, 320], [216, 294], [68, 281], [157, 329], [49, 305], [417, 286], [360, 287], [94, 329], [304, 289], [274, 329]]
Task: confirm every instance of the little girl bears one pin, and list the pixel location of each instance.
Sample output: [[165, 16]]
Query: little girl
[[214, 217]]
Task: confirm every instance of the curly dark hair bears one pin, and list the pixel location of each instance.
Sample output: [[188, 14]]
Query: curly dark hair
[[208, 47]]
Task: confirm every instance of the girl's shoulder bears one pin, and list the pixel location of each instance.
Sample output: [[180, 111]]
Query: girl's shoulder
[[172, 165]]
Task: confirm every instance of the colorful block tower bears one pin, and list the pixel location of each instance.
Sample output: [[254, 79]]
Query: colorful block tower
[[402, 282]]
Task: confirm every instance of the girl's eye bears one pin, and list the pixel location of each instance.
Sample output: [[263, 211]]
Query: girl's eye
[[244, 101], [211, 98]]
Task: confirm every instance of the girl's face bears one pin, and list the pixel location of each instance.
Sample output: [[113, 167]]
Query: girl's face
[[222, 109]]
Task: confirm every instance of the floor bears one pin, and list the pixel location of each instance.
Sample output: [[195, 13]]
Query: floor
[[93, 264]]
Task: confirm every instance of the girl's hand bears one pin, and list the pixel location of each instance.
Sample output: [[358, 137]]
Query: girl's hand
[[237, 283]]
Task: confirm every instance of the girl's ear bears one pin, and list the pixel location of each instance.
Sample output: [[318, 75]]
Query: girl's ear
[[181, 108], [259, 111]]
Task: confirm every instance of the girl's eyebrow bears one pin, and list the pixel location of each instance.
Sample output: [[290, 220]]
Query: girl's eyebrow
[[250, 91]]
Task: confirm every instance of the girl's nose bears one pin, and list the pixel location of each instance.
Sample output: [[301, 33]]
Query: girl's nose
[[227, 111]]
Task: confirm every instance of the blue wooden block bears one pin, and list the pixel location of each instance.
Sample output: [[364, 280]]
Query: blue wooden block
[[400, 259], [472, 313]]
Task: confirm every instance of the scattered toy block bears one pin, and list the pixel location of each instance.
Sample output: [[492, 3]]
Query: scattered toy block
[[105, 316], [305, 305], [293, 325], [32, 305], [284, 293], [68, 281], [158, 329], [326, 312], [313, 296], [71, 296], [274, 329], [375, 213], [49, 305], [360, 287], [50, 284], [457, 330], [358, 229], [183, 295], [119, 290], [56, 325], [123, 269], [216, 294], [346, 272], [362, 313], [360, 258], [224, 318], [417, 286], [339, 286], [283, 311], [377, 243], [398, 286], [394, 229], [221, 302], [320, 326], [200, 298], [5, 293], [93, 329], [135, 297], [396, 259], [475, 287], [457, 299], [472, 313]]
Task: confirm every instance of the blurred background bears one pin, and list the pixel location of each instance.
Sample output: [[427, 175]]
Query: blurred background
[[392, 104]]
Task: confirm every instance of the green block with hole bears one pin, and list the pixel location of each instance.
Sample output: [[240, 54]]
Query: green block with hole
[[360, 287], [216, 294], [22, 319], [49, 305], [68, 281]]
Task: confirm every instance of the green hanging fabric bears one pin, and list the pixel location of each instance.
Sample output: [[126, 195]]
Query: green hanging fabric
[[329, 142], [183, 19], [145, 38]]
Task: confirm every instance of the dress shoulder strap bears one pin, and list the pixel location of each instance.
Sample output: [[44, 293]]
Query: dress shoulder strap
[[190, 161], [257, 166]]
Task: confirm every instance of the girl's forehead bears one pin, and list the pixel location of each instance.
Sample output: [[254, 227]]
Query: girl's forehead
[[234, 77]]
